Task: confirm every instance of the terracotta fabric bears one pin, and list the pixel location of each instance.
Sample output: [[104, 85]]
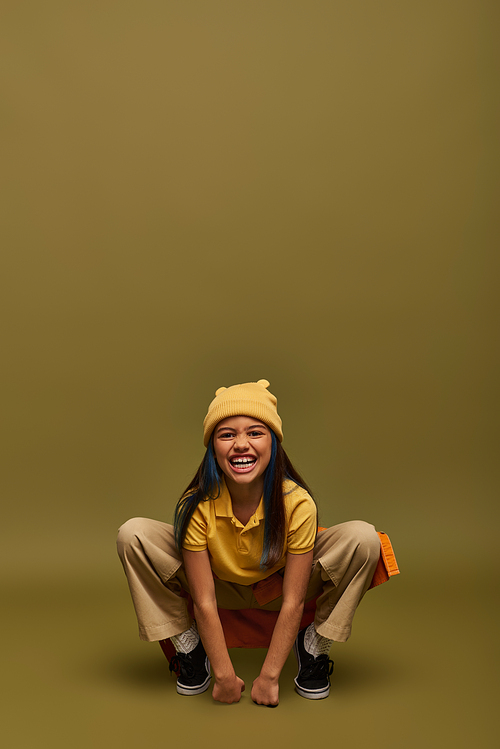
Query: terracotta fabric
[[247, 628]]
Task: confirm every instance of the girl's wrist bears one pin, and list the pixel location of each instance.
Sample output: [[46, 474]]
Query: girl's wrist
[[269, 674], [224, 674]]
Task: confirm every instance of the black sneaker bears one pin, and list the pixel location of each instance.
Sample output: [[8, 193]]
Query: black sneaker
[[313, 679], [193, 670]]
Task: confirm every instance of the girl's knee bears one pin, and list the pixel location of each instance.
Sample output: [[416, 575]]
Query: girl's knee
[[131, 531], [365, 536]]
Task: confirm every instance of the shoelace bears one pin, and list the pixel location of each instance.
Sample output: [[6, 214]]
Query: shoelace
[[181, 663], [320, 667]]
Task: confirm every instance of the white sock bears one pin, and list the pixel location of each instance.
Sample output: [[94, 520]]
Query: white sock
[[186, 641], [316, 644]]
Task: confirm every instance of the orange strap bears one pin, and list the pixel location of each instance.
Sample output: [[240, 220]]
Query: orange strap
[[387, 565]]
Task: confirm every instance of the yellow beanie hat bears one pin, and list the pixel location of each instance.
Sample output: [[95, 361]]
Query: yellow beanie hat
[[248, 399]]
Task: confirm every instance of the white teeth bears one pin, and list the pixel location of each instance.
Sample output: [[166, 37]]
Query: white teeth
[[242, 461]]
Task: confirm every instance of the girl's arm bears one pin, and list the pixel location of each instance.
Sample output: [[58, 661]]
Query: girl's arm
[[228, 687], [265, 689]]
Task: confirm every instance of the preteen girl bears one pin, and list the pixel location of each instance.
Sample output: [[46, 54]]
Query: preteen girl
[[247, 520]]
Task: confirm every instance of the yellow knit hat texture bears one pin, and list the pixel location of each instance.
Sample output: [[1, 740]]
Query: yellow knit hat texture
[[248, 399]]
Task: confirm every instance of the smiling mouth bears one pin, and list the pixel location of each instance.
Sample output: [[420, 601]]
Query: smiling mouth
[[241, 465]]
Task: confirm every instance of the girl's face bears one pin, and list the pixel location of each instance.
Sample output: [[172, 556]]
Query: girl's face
[[242, 448]]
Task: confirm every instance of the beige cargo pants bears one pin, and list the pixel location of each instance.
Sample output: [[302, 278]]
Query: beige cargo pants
[[345, 558]]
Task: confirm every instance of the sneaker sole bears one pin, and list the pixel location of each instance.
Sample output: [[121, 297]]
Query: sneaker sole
[[310, 694], [199, 689]]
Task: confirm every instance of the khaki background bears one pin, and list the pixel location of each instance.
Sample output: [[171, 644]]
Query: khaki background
[[202, 193]]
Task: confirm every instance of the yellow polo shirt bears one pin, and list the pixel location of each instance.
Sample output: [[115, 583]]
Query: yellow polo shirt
[[235, 550]]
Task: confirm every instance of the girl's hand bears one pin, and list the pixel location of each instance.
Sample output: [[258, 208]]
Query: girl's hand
[[266, 691], [228, 690]]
